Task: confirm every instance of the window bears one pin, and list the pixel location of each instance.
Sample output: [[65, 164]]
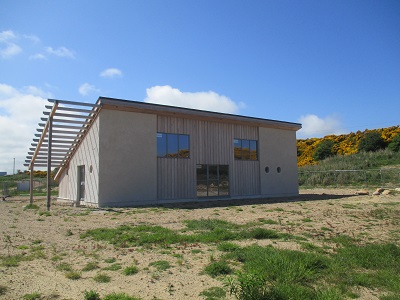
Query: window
[[212, 180], [173, 145], [245, 149]]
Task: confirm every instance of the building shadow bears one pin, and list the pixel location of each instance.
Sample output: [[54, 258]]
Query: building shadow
[[245, 202]]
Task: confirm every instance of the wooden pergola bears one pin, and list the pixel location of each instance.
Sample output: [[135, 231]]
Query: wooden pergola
[[59, 135]]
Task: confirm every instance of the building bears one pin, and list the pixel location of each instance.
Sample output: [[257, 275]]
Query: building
[[129, 153]]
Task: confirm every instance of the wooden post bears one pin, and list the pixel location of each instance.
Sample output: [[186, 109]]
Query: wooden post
[[49, 137], [31, 186]]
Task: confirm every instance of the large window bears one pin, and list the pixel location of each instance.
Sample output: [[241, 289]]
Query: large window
[[173, 145], [245, 149], [212, 180]]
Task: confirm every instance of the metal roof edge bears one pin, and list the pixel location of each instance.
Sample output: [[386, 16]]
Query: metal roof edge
[[161, 108]]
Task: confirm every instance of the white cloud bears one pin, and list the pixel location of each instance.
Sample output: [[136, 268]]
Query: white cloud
[[111, 72], [38, 56], [61, 52], [314, 126], [86, 89], [8, 48], [32, 38], [210, 100], [20, 111]]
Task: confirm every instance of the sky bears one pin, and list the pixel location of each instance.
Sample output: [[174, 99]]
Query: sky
[[333, 66]]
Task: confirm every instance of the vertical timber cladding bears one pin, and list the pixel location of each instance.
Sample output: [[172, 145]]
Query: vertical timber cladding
[[210, 143]]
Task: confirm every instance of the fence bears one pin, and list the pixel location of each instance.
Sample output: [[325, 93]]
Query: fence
[[384, 177], [21, 187]]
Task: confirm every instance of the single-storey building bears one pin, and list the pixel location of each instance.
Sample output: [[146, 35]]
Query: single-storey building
[[129, 153]]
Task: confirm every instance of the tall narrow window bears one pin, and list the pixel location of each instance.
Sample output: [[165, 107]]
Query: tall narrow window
[[253, 150], [183, 146], [172, 145], [237, 148], [161, 145]]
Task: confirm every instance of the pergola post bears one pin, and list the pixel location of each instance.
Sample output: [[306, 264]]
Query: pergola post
[[49, 137], [31, 185]]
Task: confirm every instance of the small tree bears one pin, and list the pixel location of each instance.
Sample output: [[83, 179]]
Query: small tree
[[371, 142], [395, 143], [324, 150]]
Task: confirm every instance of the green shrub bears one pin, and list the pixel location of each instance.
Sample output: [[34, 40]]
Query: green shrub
[[33, 296], [371, 142], [130, 270], [91, 295], [73, 275], [262, 233], [213, 293], [102, 278], [217, 268], [324, 150], [395, 144], [113, 267], [3, 289]]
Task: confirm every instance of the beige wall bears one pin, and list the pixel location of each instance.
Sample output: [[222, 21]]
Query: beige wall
[[278, 149], [88, 155], [128, 170]]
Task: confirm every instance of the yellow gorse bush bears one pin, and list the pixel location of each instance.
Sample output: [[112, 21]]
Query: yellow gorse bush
[[344, 144]]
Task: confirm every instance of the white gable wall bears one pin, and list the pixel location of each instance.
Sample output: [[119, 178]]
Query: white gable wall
[[128, 170], [278, 150]]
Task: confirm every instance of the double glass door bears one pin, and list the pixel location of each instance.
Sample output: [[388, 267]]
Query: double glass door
[[212, 180]]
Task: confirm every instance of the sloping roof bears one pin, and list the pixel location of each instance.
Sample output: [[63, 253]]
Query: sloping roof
[[66, 124], [119, 104]]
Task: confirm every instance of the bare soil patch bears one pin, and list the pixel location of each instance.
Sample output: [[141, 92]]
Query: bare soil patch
[[52, 240]]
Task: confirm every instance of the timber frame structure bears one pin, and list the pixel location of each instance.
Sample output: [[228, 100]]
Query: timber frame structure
[[64, 125]]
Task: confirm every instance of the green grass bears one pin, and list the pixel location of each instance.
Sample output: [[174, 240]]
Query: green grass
[[113, 267], [102, 278], [33, 296], [91, 295], [160, 265], [213, 293], [269, 273], [3, 289], [65, 267], [110, 260], [205, 231], [119, 296], [218, 268], [73, 275], [31, 206], [130, 270], [90, 266]]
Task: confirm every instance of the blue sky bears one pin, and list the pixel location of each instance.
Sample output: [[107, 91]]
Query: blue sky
[[333, 66]]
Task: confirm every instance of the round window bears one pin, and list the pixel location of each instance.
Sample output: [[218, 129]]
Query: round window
[[278, 169], [266, 169]]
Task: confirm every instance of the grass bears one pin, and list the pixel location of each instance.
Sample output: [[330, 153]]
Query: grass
[[218, 268], [64, 267], [90, 266], [160, 265], [213, 293], [73, 275], [204, 231], [102, 278], [32, 296], [3, 289], [119, 296], [113, 267], [269, 273], [130, 270]]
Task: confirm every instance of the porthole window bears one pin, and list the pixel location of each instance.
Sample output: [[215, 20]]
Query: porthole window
[[266, 169], [278, 169]]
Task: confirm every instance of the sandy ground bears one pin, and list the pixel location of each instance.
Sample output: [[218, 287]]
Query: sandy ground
[[341, 211]]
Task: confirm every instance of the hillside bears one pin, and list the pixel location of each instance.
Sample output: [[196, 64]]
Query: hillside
[[344, 144]]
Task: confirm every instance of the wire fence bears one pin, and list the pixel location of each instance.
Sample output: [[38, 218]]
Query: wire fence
[[22, 187], [385, 177]]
